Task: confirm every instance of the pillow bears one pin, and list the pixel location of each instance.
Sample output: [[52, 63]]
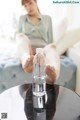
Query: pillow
[[77, 45], [70, 38], [60, 28]]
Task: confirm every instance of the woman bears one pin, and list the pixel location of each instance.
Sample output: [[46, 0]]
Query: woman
[[35, 30]]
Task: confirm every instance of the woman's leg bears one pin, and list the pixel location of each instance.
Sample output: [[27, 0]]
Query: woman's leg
[[52, 61], [25, 52]]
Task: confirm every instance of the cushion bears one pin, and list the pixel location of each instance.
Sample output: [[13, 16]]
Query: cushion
[[60, 28], [65, 38], [70, 38]]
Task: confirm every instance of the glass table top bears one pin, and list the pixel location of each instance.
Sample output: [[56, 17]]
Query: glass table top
[[59, 104]]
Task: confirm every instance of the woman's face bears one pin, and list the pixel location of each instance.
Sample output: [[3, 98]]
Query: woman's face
[[31, 7]]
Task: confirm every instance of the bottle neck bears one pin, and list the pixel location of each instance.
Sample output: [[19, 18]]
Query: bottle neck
[[39, 66]]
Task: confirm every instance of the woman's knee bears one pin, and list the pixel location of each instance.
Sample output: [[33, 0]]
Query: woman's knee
[[22, 36]]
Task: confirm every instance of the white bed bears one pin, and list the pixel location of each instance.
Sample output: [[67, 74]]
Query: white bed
[[12, 74]]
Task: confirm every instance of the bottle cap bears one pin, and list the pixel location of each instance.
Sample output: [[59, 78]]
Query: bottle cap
[[39, 50]]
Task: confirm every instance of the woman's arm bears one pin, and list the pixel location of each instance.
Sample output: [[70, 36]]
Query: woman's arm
[[19, 30]]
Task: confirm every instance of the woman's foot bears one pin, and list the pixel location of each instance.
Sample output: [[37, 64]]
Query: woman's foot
[[51, 74], [52, 61], [28, 65]]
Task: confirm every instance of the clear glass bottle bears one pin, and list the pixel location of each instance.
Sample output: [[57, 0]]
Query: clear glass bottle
[[39, 86], [39, 83]]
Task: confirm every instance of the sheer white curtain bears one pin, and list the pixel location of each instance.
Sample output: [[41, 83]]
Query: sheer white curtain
[[9, 13]]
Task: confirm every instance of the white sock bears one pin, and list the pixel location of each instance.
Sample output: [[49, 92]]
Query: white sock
[[24, 58]]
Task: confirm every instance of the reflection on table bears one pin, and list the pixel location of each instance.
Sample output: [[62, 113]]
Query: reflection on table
[[67, 106]]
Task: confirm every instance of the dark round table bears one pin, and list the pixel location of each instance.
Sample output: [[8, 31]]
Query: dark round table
[[67, 104]]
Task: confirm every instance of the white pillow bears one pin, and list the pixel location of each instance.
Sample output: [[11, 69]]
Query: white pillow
[[77, 45], [59, 28], [70, 38]]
